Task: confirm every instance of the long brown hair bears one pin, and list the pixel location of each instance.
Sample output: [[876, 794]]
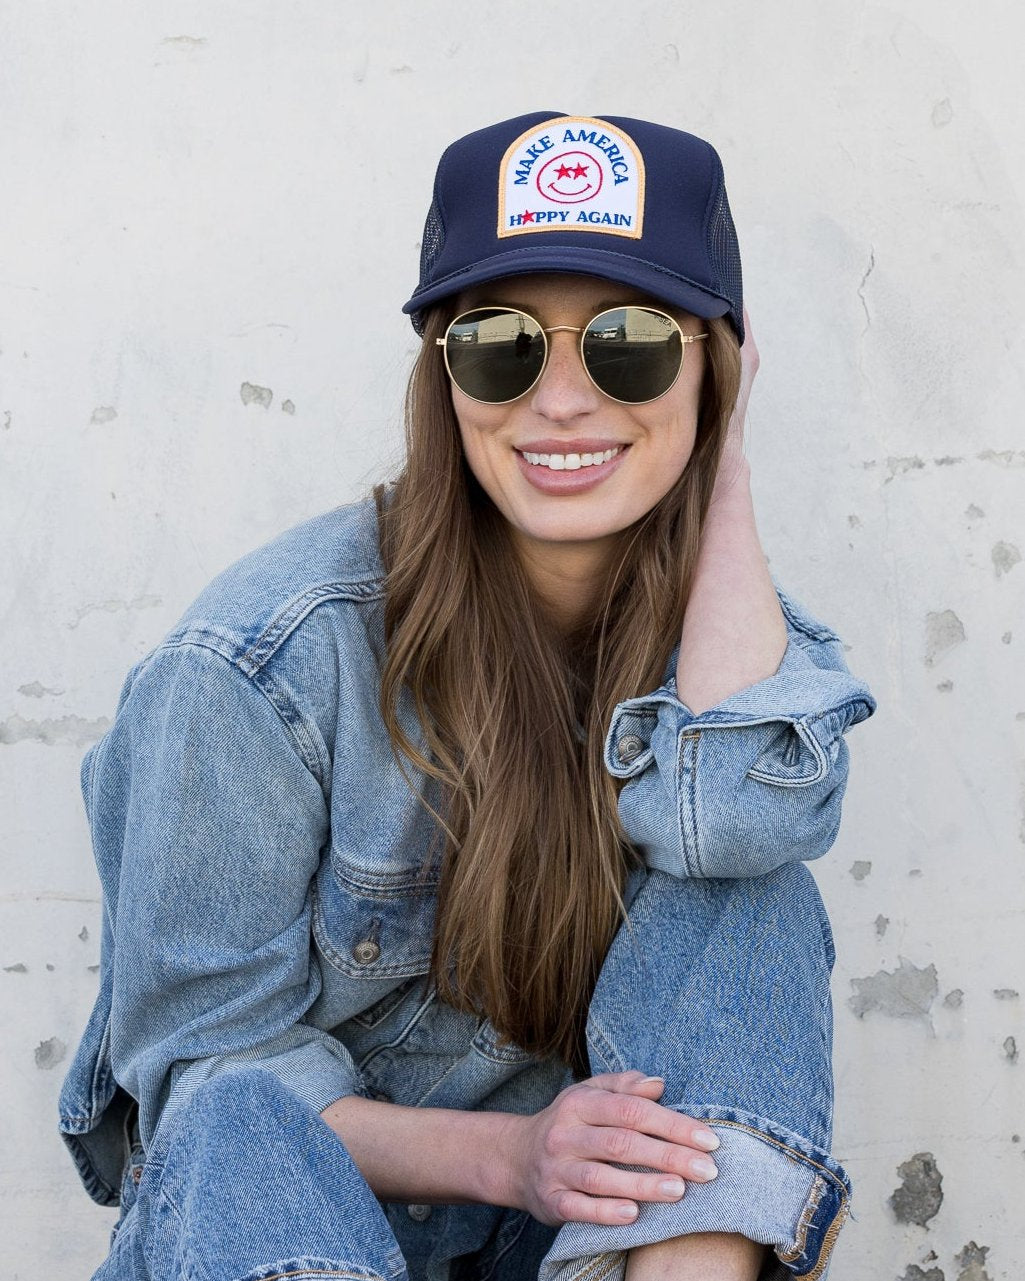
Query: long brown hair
[[514, 714]]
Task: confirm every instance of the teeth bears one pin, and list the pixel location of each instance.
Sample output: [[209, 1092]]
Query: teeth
[[570, 462]]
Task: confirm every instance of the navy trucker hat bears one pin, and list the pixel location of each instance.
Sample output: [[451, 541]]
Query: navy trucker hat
[[631, 201]]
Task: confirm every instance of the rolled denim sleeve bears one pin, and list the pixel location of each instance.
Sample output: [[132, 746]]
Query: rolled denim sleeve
[[752, 783], [208, 826]]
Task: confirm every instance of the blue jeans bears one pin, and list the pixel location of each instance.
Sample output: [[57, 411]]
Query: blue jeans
[[719, 986]]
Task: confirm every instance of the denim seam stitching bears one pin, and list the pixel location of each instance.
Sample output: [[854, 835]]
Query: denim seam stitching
[[307, 752], [592, 1271], [818, 1187], [280, 628], [809, 739], [687, 806]]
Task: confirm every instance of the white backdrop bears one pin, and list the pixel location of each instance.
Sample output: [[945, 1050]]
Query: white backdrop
[[209, 217]]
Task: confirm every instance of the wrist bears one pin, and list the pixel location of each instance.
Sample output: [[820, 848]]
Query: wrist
[[504, 1178], [732, 479]]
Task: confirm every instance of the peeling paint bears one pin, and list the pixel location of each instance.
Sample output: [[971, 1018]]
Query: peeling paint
[[943, 631], [860, 869], [948, 460], [881, 923], [1010, 1048], [972, 1260], [49, 1053], [945, 687], [65, 729], [942, 114], [1005, 993], [254, 395], [93, 969], [954, 999], [974, 512], [19, 967], [7, 420], [914, 1273], [854, 522], [1007, 638], [114, 607], [83, 933], [1003, 457], [920, 1195], [103, 414], [34, 690], [185, 42], [1004, 556], [50, 968], [905, 993], [287, 407]]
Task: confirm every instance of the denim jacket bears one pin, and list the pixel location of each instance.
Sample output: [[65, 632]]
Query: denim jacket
[[266, 868]]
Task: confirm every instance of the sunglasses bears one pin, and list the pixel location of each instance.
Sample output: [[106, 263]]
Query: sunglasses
[[631, 354]]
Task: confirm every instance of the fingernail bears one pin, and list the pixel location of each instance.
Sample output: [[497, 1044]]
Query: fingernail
[[704, 1168], [645, 1079], [627, 1212], [672, 1187], [706, 1139]]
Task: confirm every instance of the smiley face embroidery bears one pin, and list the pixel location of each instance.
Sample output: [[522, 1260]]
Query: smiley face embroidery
[[570, 178]]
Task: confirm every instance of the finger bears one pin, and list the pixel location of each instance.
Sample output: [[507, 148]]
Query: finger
[[625, 1082], [575, 1207], [647, 1117], [598, 1179], [628, 1147]]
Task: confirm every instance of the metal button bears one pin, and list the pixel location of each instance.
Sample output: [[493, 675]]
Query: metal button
[[629, 747], [419, 1213], [367, 952]]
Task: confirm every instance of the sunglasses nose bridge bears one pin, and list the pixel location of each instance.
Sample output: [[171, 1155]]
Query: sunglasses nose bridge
[[564, 389]]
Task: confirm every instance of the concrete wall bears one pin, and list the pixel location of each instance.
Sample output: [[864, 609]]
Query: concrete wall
[[209, 217]]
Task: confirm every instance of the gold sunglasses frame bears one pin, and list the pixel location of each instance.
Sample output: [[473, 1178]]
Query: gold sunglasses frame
[[685, 339]]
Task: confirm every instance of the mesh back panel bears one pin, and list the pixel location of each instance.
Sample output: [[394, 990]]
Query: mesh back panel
[[724, 251], [430, 247]]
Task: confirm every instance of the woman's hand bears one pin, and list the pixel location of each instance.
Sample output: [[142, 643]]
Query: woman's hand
[[566, 1160], [733, 461]]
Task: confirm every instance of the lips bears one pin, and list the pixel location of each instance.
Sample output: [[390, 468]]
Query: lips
[[569, 467]]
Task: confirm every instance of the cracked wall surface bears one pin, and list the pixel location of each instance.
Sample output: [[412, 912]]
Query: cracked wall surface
[[209, 223]]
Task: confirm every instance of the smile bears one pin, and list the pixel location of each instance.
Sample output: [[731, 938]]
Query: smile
[[570, 462]]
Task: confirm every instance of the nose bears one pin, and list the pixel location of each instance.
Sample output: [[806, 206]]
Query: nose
[[564, 391]]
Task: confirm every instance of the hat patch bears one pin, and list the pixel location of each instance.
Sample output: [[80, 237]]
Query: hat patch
[[573, 173]]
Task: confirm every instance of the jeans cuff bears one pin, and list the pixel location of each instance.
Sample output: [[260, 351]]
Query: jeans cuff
[[774, 1187]]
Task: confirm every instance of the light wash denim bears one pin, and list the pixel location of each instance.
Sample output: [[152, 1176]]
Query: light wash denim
[[268, 907]]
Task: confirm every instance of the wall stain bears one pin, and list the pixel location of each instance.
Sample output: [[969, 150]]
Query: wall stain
[[7, 420], [943, 630], [948, 460], [1005, 993], [103, 414], [114, 607], [881, 922], [49, 1053], [83, 933], [1010, 1048], [34, 690], [854, 522], [920, 1195], [942, 114], [185, 42], [915, 1273], [19, 967], [93, 969], [287, 407], [974, 512], [860, 869], [254, 395], [1007, 638], [945, 687], [954, 999], [972, 1260], [905, 993], [65, 729], [1004, 556]]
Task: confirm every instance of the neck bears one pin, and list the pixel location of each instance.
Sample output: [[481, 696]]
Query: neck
[[568, 577]]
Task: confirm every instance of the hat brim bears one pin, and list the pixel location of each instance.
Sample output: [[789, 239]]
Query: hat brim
[[653, 280]]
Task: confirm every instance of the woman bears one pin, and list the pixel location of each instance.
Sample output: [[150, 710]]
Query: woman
[[451, 845]]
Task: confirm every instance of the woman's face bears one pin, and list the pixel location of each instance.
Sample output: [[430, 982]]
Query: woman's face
[[565, 414]]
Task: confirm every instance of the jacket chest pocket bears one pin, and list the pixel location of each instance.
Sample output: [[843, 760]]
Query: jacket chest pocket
[[372, 924]]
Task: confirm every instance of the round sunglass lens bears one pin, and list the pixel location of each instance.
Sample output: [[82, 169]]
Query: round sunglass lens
[[633, 354], [494, 355]]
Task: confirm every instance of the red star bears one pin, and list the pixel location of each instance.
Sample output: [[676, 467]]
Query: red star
[[528, 216], [563, 171], [579, 171]]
